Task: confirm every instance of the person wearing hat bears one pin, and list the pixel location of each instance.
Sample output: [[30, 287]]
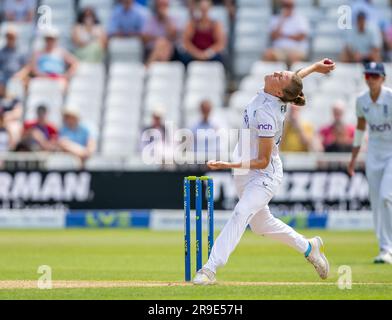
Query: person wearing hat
[[374, 110], [53, 61], [11, 60], [74, 138], [363, 43]]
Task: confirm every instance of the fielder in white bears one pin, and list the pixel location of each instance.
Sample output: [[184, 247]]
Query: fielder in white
[[374, 107], [264, 117]]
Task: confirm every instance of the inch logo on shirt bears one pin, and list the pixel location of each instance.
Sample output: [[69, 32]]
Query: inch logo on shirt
[[385, 110], [381, 127], [266, 126]]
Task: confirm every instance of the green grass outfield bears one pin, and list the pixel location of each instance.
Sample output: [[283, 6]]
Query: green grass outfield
[[143, 257]]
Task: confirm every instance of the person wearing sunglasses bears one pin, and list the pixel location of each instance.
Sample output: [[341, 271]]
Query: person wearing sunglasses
[[374, 110]]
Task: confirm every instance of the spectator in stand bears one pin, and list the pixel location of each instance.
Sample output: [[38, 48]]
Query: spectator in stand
[[40, 134], [74, 138], [342, 142], [298, 135], [52, 61], [157, 127], [89, 37], [375, 15], [12, 112], [6, 139], [338, 133], [128, 19], [11, 60], [19, 10], [204, 38], [206, 141], [160, 34], [289, 34], [363, 43]]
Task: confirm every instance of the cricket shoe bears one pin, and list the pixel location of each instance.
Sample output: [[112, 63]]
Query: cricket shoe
[[204, 277], [384, 257], [317, 257]]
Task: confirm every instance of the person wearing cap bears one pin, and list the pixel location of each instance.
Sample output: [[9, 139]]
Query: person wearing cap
[[74, 138], [52, 61], [11, 60], [363, 43], [374, 111], [288, 33], [40, 134]]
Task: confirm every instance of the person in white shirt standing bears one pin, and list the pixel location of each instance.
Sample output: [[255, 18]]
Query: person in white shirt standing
[[374, 108], [289, 36], [259, 157]]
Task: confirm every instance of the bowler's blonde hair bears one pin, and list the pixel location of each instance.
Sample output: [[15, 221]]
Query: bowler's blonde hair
[[293, 92]]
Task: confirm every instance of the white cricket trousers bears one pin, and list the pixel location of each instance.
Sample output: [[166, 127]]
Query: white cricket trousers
[[379, 175], [254, 192]]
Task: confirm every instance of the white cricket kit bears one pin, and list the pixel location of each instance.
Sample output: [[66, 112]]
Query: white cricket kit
[[264, 117], [379, 161]]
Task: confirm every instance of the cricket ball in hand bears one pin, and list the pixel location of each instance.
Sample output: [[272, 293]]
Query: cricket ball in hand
[[328, 61]]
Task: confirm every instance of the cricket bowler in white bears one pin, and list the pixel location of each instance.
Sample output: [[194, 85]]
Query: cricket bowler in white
[[374, 108], [264, 117]]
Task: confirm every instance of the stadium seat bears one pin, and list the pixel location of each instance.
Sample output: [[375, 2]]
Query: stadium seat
[[127, 70], [91, 70], [192, 100], [254, 3], [240, 99], [381, 3], [127, 89], [304, 3], [246, 14], [327, 46], [173, 71], [180, 14], [332, 3], [199, 84], [45, 87], [96, 4], [247, 50], [326, 28], [251, 84], [122, 50], [219, 13], [339, 87], [80, 85], [206, 69], [262, 68]]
